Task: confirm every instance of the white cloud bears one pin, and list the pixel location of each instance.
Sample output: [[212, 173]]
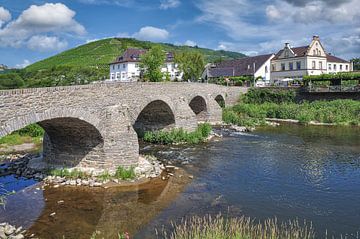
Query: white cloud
[[4, 16], [190, 43], [295, 21], [54, 19], [123, 35], [152, 34], [23, 65], [273, 13], [45, 43], [166, 4]]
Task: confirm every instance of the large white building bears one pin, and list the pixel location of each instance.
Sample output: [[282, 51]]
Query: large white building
[[297, 62], [126, 68]]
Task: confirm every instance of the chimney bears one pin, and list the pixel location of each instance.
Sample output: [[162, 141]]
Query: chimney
[[316, 37], [287, 45]]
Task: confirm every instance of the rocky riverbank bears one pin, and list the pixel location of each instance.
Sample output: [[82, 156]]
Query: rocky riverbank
[[33, 167], [8, 231]]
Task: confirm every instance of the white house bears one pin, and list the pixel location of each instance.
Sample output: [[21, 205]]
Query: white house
[[257, 66], [126, 68], [296, 62]]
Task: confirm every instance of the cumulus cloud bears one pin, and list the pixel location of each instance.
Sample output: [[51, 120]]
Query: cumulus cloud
[[45, 43], [4, 16], [24, 64], [190, 43], [36, 22], [152, 34], [166, 4], [265, 27]]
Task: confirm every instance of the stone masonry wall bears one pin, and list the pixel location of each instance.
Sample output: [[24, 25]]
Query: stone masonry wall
[[92, 125]]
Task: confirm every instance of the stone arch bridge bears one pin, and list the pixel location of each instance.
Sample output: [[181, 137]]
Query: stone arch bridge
[[97, 126]]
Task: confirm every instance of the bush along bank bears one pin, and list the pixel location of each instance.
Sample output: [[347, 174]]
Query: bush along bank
[[259, 105], [179, 136]]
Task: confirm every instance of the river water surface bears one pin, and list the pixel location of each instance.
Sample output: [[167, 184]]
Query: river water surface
[[287, 172]]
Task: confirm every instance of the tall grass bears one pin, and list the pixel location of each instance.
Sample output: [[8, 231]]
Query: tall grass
[[125, 174], [219, 227], [179, 135], [341, 112]]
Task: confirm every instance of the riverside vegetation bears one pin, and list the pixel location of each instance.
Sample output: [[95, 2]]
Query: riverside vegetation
[[259, 104], [179, 136]]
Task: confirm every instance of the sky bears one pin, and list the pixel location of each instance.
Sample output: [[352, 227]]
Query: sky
[[31, 30]]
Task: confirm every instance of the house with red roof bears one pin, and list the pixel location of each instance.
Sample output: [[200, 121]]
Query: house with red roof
[[292, 63], [126, 68]]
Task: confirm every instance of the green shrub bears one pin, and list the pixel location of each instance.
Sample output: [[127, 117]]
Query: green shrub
[[32, 130], [69, 174], [105, 176], [263, 95], [124, 174], [178, 135]]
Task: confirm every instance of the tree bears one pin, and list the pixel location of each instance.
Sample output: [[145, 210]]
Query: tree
[[151, 63], [356, 63], [11, 81], [191, 64]]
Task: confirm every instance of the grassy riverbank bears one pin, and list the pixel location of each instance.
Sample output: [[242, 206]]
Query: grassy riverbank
[[238, 228], [260, 104], [179, 136]]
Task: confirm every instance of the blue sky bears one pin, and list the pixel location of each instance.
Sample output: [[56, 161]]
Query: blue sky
[[31, 30]]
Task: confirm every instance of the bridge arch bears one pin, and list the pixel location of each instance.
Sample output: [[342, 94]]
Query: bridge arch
[[199, 106], [70, 138], [156, 115], [220, 99]]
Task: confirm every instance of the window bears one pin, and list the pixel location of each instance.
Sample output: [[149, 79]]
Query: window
[[313, 64], [341, 67], [347, 67], [286, 53], [329, 67], [334, 67], [113, 67], [273, 67], [282, 66], [118, 66], [298, 65], [124, 65], [319, 53], [266, 69], [136, 65], [320, 65], [291, 66], [123, 75], [314, 52], [117, 75], [112, 76]]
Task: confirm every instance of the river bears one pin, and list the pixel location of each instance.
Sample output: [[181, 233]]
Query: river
[[310, 173]]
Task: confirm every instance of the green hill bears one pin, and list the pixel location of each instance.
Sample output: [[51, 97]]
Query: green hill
[[88, 63], [100, 53]]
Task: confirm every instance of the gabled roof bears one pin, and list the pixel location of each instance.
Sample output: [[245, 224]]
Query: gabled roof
[[299, 51], [240, 67], [331, 58], [221, 72], [133, 55]]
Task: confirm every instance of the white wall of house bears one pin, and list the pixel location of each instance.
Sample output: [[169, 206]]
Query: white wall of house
[[335, 67], [264, 71], [130, 71]]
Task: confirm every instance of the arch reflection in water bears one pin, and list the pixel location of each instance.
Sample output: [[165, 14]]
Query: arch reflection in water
[[79, 212]]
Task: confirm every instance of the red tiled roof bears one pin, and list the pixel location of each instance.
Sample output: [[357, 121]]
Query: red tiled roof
[[299, 51], [331, 58], [133, 55]]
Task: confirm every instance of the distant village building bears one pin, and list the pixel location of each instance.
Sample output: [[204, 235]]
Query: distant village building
[[289, 64], [256, 66], [296, 62], [126, 68]]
